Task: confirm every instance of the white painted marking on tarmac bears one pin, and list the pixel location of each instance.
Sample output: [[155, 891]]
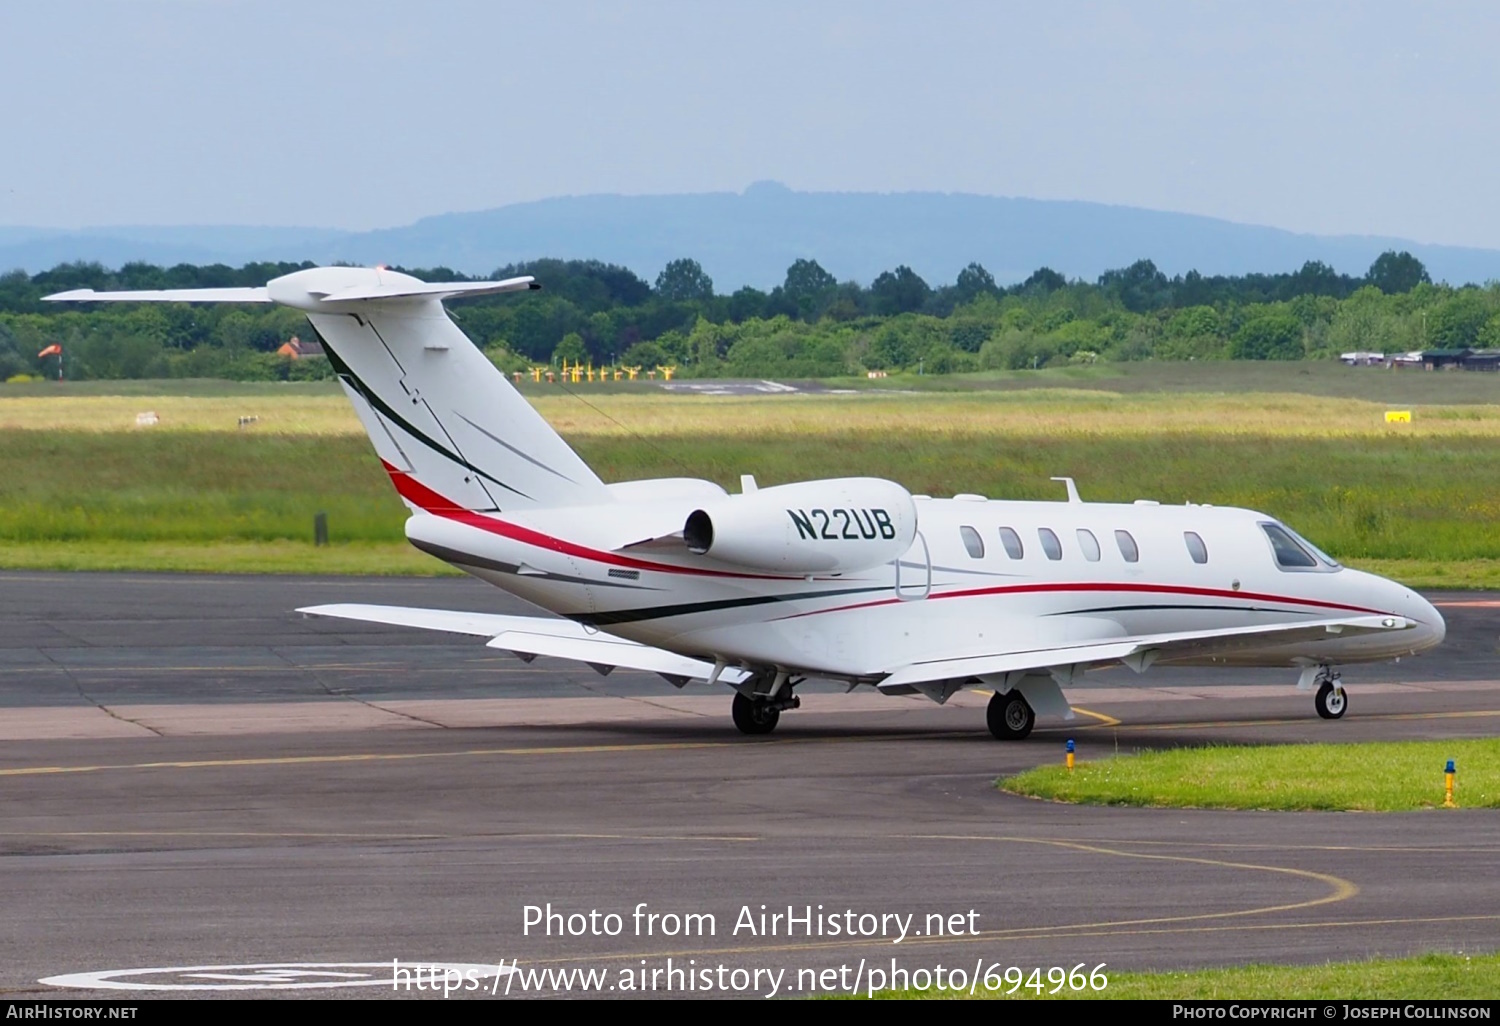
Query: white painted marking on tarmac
[[270, 976]]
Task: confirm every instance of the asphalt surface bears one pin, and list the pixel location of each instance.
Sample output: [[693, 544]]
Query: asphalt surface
[[414, 840]]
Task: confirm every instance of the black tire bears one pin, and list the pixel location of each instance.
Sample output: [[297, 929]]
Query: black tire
[[754, 716], [1331, 702], [1010, 716]]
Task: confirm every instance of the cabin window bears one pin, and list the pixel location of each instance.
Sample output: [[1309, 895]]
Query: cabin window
[[1050, 545], [1195, 546], [972, 542], [1089, 544], [1129, 551], [1012, 542], [1293, 552]]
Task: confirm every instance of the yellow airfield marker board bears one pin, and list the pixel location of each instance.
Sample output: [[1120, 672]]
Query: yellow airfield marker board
[[1398, 416]]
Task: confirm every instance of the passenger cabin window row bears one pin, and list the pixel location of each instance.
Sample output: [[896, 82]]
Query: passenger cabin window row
[[1289, 555]]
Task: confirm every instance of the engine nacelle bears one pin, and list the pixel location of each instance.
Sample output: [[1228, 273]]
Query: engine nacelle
[[840, 525]]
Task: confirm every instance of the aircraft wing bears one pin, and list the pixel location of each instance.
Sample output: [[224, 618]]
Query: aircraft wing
[[531, 636], [1137, 652]]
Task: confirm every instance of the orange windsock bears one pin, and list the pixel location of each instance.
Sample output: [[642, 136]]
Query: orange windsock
[[53, 350]]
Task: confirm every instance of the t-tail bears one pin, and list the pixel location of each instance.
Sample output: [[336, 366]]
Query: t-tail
[[450, 429]]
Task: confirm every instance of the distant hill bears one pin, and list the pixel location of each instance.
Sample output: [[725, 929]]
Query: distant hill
[[750, 238]]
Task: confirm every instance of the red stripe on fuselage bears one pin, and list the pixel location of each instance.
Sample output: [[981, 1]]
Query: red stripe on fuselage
[[418, 494], [1081, 586]]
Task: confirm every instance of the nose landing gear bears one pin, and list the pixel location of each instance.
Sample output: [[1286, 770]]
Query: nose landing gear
[[1330, 701]]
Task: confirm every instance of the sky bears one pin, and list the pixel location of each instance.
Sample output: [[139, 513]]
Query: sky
[[1321, 117]]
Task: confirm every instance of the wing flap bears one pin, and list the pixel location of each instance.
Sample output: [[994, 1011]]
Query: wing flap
[[602, 650], [978, 666]]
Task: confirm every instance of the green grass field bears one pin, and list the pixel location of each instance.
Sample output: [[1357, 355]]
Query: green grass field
[[81, 485], [1396, 776], [1436, 977]]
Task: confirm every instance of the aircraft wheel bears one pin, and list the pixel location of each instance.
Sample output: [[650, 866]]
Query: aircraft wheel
[[1010, 716], [1330, 701], [754, 716]]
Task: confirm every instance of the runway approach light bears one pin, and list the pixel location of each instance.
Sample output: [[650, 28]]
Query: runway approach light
[[1448, 774]]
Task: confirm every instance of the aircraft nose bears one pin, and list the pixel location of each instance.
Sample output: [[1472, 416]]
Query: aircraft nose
[[1432, 628]]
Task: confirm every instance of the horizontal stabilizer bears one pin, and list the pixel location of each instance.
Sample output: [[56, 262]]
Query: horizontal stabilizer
[[531, 636], [390, 287], [483, 625], [1145, 649], [259, 295]]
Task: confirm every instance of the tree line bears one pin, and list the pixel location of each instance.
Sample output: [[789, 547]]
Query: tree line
[[810, 325]]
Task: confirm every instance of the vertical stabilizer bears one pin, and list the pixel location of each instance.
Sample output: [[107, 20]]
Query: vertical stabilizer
[[437, 409]]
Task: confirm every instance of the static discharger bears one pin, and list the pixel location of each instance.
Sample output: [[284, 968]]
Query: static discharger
[[1448, 773], [1071, 749]]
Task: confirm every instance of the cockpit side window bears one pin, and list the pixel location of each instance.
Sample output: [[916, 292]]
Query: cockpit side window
[[1289, 554], [1323, 557]]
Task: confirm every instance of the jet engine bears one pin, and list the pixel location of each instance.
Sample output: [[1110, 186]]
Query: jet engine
[[834, 526]]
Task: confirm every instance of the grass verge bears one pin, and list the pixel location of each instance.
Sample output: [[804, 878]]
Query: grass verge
[[224, 557], [1394, 776], [1435, 574], [1435, 977]]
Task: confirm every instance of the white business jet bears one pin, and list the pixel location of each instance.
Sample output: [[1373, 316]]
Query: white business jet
[[853, 579]]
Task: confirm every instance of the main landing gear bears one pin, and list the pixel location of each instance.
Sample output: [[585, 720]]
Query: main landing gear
[[759, 712], [1330, 701], [1010, 716]]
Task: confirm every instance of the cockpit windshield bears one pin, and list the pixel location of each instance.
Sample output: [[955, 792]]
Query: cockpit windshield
[[1294, 552], [1323, 557]]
